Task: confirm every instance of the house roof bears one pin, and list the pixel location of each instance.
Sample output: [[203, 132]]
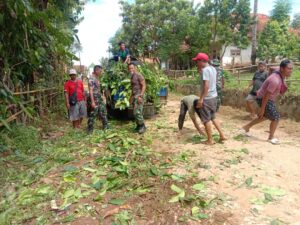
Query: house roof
[[295, 31], [262, 21]]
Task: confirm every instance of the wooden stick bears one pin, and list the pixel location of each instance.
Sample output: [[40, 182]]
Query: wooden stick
[[34, 91], [11, 118]]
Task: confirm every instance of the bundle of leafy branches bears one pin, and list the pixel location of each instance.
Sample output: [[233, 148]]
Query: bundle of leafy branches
[[116, 79]]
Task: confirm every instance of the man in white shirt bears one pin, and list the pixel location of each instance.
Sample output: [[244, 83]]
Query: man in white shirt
[[206, 106]]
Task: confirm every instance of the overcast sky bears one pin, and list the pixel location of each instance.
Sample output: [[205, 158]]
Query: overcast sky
[[102, 20]]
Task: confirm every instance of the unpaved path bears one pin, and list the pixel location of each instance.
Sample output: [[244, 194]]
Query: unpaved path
[[243, 170], [241, 182]]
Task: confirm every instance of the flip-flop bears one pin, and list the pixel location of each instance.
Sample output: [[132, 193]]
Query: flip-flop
[[274, 141], [245, 133]]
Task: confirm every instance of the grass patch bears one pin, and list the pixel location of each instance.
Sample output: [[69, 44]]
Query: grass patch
[[231, 81]]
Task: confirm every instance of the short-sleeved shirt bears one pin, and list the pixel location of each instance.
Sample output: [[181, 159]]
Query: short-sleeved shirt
[[258, 79], [273, 85], [209, 73], [220, 75], [136, 80], [95, 84], [189, 102], [70, 87], [123, 54]]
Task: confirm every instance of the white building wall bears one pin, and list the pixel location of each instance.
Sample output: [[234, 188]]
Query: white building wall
[[243, 59]]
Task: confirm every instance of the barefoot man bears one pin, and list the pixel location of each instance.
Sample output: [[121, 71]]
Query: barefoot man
[[187, 105], [206, 106]]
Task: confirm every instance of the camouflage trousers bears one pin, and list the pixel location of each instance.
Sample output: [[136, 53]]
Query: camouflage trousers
[[138, 111], [99, 112], [219, 98]]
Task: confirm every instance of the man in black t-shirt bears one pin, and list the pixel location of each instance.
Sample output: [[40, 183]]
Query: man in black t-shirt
[[259, 77]]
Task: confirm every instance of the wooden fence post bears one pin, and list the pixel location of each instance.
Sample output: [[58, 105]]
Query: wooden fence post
[[239, 74]]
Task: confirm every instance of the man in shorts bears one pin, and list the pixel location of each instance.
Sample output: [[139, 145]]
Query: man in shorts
[[259, 77], [76, 106], [206, 106], [266, 96], [187, 105]]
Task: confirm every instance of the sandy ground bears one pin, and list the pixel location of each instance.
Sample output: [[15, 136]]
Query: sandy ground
[[227, 166]]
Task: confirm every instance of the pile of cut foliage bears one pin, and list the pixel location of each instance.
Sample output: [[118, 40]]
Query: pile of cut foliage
[[117, 80]]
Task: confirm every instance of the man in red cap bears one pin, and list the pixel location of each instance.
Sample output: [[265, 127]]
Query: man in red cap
[[206, 106]]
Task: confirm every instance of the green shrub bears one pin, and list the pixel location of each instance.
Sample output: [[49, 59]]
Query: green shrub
[[21, 138]]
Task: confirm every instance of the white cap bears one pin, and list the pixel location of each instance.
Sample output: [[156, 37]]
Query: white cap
[[72, 71]]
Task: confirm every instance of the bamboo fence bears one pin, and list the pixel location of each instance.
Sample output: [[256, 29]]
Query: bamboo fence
[[40, 100]]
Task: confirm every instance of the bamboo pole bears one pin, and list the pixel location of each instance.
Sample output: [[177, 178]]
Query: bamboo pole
[[12, 118], [34, 91]]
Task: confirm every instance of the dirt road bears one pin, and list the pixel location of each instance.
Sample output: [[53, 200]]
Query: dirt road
[[259, 183], [160, 178]]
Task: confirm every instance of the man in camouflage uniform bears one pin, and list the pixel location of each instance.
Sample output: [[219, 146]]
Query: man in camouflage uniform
[[138, 86], [220, 81], [96, 103]]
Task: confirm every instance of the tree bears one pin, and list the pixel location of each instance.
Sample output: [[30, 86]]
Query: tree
[[177, 29], [35, 44], [281, 10], [254, 34], [296, 21], [157, 28], [229, 22], [36, 38], [273, 41]]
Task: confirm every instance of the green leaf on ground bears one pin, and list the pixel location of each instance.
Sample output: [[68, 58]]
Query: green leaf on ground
[[273, 191], [196, 214], [240, 137], [245, 150], [268, 198], [177, 177], [154, 171], [199, 186], [176, 189], [248, 181], [70, 168], [69, 178], [89, 169], [181, 194], [112, 147], [277, 222], [116, 201], [100, 195], [68, 218]]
